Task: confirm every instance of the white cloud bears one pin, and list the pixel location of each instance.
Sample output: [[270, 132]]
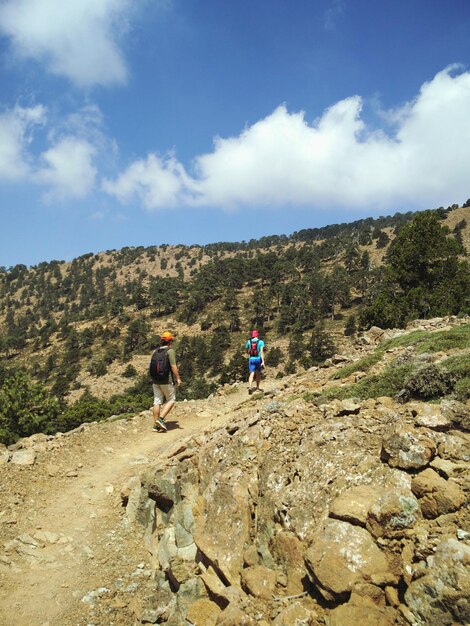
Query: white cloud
[[157, 182], [15, 135], [68, 170], [337, 161], [75, 38]]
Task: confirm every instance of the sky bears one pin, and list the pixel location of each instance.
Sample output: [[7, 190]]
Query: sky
[[144, 122]]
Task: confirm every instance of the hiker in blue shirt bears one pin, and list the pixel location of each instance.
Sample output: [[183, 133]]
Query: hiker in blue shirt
[[254, 348]]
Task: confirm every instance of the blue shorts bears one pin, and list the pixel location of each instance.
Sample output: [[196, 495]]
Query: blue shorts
[[254, 364]]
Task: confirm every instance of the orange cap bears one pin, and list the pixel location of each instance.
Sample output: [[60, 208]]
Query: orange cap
[[167, 336]]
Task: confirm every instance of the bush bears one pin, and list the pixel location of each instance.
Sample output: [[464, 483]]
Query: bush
[[350, 327], [429, 381], [130, 371], [273, 357], [25, 407], [98, 368], [462, 389]]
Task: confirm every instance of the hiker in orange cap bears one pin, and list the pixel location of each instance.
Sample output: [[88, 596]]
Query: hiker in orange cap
[[164, 374]]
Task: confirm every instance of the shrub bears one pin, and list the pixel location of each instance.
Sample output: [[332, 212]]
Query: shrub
[[273, 357], [130, 371], [98, 368], [462, 389], [350, 328], [430, 381]]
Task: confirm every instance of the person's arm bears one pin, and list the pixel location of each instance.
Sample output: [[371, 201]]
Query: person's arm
[[176, 374], [174, 367], [261, 353]]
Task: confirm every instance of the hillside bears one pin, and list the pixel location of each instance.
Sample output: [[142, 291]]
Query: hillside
[[285, 507], [83, 330]]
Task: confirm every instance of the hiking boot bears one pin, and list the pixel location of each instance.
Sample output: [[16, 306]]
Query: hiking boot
[[162, 423], [250, 390]]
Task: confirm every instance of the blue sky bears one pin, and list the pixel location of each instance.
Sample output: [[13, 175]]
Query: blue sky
[[142, 122]]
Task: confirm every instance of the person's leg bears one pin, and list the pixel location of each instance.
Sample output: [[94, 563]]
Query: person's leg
[[169, 392], [167, 408], [258, 378], [158, 399], [250, 380]]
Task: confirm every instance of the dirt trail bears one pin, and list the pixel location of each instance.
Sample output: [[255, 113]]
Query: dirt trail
[[62, 525]]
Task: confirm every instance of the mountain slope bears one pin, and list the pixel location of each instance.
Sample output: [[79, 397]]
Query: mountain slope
[[255, 482]]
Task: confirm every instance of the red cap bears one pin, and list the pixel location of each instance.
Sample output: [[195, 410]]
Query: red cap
[[254, 333]]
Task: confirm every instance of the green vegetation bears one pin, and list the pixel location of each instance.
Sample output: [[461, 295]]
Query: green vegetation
[[423, 276], [26, 408], [424, 381], [388, 383], [361, 365], [457, 338], [59, 320]]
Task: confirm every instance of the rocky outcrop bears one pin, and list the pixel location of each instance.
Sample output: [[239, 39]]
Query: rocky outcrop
[[344, 514]]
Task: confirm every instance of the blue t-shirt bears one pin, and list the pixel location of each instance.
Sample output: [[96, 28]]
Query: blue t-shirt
[[260, 343]]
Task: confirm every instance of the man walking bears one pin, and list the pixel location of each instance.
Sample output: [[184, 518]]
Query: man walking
[[254, 347], [164, 373]]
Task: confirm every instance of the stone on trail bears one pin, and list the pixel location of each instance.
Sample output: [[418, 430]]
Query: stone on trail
[[23, 457]]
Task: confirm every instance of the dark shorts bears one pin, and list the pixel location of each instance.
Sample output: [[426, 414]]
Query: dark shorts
[[254, 364]]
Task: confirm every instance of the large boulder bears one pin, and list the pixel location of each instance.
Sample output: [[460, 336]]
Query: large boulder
[[353, 505], [259, 581], [222, 527], [437, 496], [457, 413], [340, 556], [408, 448], [442, 596], [392, 513]]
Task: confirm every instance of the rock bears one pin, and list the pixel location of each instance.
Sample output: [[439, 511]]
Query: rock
[[45, 536], [392, 513], [351, 615], [223, 526], [233, 616], [348, 407], [408, 448], [430, 416], [4, 456], [455, 446], [442, 595], [259, 581], [353, 505], [214, 585], [288, 550], [153, 608], [457, 413], [366, 594], [375, 334], [23, 457], [294, 614], [447, 468], [340, 556], [392, 597], [203, 613], [437, 496], [340, 358]]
